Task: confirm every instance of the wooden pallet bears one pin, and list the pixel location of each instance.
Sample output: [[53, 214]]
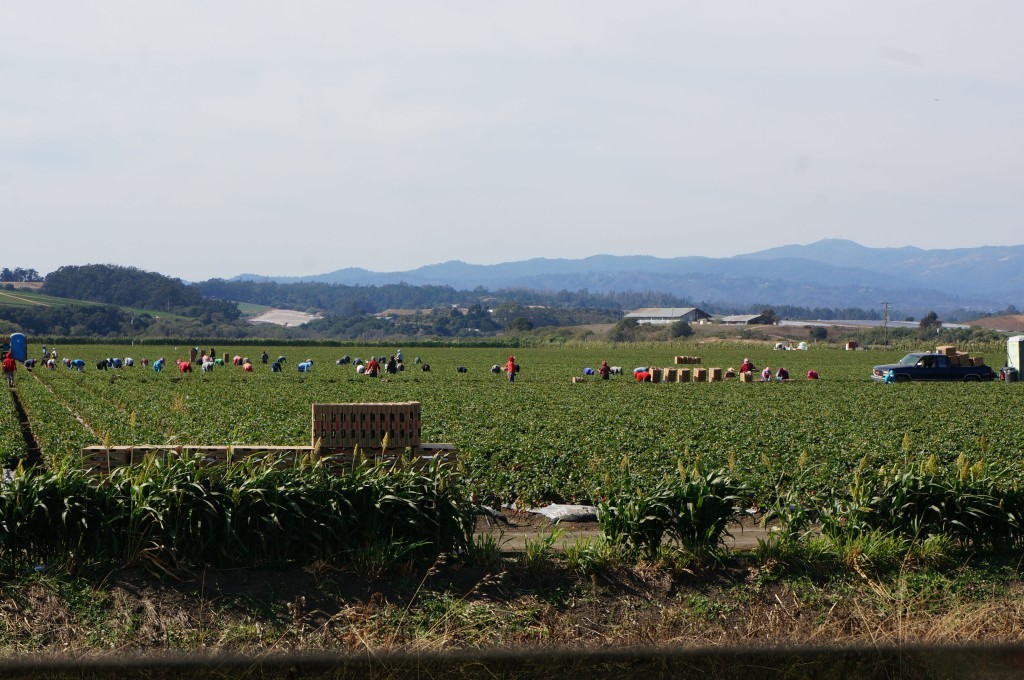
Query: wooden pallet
[[342, 435], [101, 460]]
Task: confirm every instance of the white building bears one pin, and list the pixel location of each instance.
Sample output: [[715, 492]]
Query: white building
[[663, 315]]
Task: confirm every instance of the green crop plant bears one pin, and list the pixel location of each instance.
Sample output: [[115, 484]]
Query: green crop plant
[[174, 513], [544, 439], [969, 507], [691, 508]]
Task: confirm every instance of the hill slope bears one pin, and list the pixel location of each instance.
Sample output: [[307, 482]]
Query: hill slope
[[827, 273]]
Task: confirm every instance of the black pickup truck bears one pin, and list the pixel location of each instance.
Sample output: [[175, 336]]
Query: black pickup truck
[[924, 366]]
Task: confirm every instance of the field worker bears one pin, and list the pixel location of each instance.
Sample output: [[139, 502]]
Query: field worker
[[812, 374], [46, 354], [77, 364], [782, 374], [9, 366], [511, 368], [158, 365], [372, 367], [642, 376], [51, 364], [360, 369], [766, 374], [184, 367], [890, 377], [747, 366], [392, 366], [605, 370], [247, 368], [264, 358]]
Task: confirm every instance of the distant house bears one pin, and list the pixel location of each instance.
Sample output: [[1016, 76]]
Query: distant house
[[664, 315], [746, 319]]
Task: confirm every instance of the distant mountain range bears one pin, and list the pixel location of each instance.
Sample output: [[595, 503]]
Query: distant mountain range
[[833, 273]]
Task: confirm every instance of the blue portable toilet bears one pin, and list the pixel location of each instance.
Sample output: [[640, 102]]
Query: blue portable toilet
[[19, 346]]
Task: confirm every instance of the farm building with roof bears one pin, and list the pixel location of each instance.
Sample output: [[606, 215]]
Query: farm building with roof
[[656, 315], [746, 319]]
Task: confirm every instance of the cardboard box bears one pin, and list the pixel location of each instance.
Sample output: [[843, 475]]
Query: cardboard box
[[671, 374], [715, 375], [700, 375], [948, 350], [656, 375], [683, 375], [746, 376]]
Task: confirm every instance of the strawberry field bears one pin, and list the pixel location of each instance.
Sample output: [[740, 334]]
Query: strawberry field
[[544, 438]]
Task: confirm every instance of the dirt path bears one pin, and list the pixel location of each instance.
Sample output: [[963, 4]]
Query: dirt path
[[513, 529], [25, 300]]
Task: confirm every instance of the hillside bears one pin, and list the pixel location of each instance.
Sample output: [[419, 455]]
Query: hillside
[[829, 273]]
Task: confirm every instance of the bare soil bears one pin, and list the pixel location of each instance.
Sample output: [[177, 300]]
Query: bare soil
[[514, 528], [283, 317]]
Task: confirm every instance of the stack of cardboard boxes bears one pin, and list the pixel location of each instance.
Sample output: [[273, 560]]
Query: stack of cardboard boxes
[[959, 358]]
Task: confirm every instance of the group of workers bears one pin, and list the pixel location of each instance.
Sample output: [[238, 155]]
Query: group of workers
[[643, 373]]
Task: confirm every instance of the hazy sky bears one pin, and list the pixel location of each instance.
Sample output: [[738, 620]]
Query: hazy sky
[[203, 139]]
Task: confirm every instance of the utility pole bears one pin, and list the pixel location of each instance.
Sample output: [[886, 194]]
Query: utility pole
[[885, 322]]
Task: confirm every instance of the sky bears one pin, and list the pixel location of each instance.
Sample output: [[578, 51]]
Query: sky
[[208, 139]]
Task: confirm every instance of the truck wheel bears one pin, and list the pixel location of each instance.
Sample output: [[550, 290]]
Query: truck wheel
[[903, 378]]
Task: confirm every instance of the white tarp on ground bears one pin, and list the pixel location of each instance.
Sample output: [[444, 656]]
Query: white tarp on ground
[[557, 512]]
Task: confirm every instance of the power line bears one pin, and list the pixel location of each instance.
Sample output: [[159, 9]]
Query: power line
[[885, 322]]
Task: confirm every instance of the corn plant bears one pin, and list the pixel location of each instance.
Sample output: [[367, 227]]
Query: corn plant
[[173, 513], [691, 508]]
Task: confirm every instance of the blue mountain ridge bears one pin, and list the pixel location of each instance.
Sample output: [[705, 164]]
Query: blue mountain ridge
[[826, 273]]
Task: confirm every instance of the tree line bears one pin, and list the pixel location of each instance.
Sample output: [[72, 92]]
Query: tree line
[[132, 287], [19, 275]]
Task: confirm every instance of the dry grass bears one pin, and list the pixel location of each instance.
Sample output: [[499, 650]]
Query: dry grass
[[455, 607]]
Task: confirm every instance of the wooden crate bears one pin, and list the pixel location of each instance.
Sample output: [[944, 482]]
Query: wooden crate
[[683, 375], [671, 374], [700, 375], [746, 376], [714, 375], [346, 426], [656, 375]]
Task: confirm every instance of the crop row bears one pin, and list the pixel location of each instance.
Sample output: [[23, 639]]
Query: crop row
[[12, 446]]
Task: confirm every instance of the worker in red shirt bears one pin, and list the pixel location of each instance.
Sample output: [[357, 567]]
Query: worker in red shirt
[[511, 368], [372, 367], [9, 366]]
